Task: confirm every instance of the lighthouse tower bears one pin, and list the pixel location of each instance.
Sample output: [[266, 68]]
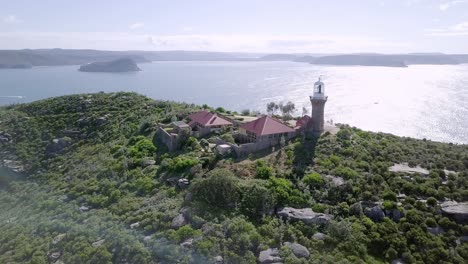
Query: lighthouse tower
[[318, 100]]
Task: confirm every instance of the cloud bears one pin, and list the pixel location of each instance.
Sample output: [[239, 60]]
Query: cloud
[[447, 5], [215, 42], [136, 25], [11, 19], [460, 29]]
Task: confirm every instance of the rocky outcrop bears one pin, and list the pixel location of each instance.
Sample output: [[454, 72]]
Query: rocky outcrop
[[181, 219], [119, 65], [305, 215], [456, 211], [319, 236], [298, 250], [98, 243], [5, 137], [187, 243], [394, 214], [58, 145], [375, 213], [436, 230], [269, 256]]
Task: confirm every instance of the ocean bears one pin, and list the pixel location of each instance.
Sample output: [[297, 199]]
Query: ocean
[[421, 101]]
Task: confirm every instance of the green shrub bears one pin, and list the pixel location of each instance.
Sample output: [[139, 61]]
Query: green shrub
[[220, 189], [314, 180]]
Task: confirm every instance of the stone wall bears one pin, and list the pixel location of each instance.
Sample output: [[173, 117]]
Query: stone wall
[[170, 140], [247, 148]]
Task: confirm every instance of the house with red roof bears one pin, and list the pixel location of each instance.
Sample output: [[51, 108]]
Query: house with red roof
[[265, 130], [303, 121], [204, 122]]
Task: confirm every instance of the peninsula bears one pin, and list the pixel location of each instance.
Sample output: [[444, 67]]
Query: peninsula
[[98, 185]]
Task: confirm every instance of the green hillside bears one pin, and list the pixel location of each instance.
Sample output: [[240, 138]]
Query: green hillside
[[101, 188]]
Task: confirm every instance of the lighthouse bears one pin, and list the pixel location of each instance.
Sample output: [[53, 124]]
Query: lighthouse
[[318, 100]]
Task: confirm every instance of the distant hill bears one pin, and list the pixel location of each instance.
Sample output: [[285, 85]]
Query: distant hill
[[53, 57], [394, 60], [118, 65]]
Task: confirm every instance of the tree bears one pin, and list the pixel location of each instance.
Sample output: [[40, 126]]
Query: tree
[[287, 109], [272, 107], [245, 112], [305, 111]]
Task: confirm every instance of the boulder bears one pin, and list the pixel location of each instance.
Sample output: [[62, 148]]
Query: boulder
[[58, 238], [84, 208], [187, 243], [5, 137], [135, 225], [456, 211], [183, 183], [394, 214], [101, 120], [319, 236], [436, 230], [269, 256], [398, 261], [54, 256], [305, 215], [298, 250], [375, 213], [98, 243], [218, 259], [147, 163], [178, 221], [58, 145]]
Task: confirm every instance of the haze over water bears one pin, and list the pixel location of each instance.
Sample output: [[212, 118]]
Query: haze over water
[[421, 101]]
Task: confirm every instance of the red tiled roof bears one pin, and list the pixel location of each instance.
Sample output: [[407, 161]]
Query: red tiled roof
[[303, 121], [266, 126], [207, 119]]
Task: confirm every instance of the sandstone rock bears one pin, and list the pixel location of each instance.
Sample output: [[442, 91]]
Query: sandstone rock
[[135, 225], [187, 243], [58, 238], [218, 259], [58, 145], [101, 120], [306, 215], [298, 250], [375, 213], [84, 208], [394, 214], [54, 256], [183, 183], [146, 163], [98, 243], [319, 236], [179, 221], [435, 230], [269, 256], [457, 211]]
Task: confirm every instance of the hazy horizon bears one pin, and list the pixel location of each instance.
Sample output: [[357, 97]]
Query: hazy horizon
[[370, 26]]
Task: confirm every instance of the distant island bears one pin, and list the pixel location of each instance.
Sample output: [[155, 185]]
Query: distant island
[[56, 57], [118, 65]]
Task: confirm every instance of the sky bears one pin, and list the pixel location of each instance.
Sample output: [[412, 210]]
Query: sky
[[261, 26]]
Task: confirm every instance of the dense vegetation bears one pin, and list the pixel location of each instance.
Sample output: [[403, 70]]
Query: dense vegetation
[[100, 189]]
